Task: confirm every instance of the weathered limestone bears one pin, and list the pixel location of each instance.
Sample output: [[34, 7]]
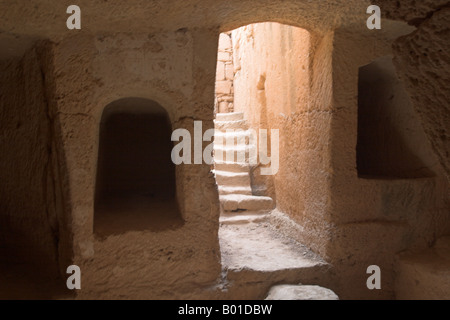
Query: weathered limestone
[[300, 292], [231, 116], [277, 67], [34, 230], [237, 218], [91, 76], [231, 166], [234, 202], [233, 125], [424, 275], [303, 82], [225, 75], [233, 177], [389, 215], [257, 256], [243, 190]]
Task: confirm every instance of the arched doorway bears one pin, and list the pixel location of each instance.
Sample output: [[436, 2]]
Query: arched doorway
[[263, 84]]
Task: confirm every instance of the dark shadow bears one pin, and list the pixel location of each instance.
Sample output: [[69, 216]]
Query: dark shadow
[[388, 130], [27, 272], [32, 247]]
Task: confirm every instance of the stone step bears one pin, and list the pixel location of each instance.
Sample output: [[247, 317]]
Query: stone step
[[231, 166], [258, 256], [231, 116], [250, 161], [232, 218], [238, 153], [224, 125], [300, 292], [232, 179], [235, 136], [235, 148], [234, 202], [224, 190]]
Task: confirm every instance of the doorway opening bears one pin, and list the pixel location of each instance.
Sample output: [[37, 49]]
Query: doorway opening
[[135, 187], [262, 83]]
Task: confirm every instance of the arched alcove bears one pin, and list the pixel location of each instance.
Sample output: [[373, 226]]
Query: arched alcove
[[135, 188], [391, 142]]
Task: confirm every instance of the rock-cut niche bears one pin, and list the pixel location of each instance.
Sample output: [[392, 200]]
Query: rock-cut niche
[[136, 186]]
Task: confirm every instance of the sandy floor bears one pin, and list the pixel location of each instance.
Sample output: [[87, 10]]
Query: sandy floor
[[259, 247], [136, 214]]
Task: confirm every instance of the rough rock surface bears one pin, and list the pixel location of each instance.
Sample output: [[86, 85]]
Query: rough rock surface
[[423, 62], [52, 101], [299, 292], [425, 274]]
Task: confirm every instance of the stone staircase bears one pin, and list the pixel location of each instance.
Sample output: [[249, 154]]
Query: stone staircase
[[255, 255], [233, 177]]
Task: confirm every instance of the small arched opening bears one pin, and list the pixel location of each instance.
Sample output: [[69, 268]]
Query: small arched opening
[[391, 143], [135, 187]]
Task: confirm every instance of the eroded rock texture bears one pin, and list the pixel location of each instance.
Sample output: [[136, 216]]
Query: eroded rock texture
[[55, 84], [423, 62]]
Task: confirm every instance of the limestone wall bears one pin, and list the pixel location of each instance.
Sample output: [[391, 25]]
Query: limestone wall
[[225, 75], [177, 71], [32, 228], [424, 61], [52, 100], [350, 219], [377, 218]]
